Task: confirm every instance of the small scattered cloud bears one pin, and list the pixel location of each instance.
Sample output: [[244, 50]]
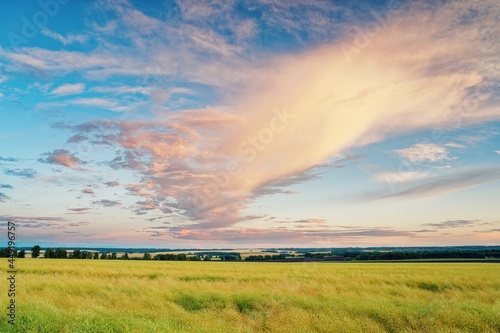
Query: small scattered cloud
[[372, 232], [454, 145], [65, 40], [23, 173], [3, 197], [112, 183], [10, 187], [96, 101], [7, 159], [497, 151], [123, 90], [106, 203], [401, 177], [34, 221], [311, 221], [69, 89], [424, 152], [453, 224], [488, 231], [62, 157], [79, 210], [75, 224], [88, 191]]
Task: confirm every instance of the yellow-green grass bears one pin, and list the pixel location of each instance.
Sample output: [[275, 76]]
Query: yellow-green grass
[[165, 296]]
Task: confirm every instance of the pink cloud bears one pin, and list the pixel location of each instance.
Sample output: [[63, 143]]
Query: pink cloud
[[301, 110], [62, 157], [88, 191]]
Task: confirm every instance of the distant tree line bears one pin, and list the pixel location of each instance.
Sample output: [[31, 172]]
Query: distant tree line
[[176, 257], [59, 253], [6, 252], [266, 257], [406, 255]]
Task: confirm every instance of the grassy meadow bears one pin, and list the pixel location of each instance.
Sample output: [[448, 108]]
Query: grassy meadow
[[166, 296]]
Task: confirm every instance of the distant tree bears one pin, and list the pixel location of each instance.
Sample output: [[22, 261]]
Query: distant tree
[[89, 255], [21, 254], [146, 256], [104, 255], [4, 253], [96, 255], [60, 253], [49, 253], [113, 255], [207, 258], [77, 254], [125, 256], [35, 251], [230, 257]]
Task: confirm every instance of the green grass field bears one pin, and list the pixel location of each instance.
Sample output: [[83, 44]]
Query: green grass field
[[164, 296]]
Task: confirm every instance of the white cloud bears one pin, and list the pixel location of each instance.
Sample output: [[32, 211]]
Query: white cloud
[[65, 40], [401, 177], [454, 145], [497, 151], [69, 89], [100, 102], [122, 90], [424, 152], [109, 104]]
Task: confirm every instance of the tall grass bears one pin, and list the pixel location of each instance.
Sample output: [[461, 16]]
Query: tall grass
[[153, 296]]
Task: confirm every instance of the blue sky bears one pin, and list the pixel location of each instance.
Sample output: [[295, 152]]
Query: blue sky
[[251, 123]]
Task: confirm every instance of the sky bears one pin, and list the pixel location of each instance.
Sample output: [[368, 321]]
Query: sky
[[251, 123]]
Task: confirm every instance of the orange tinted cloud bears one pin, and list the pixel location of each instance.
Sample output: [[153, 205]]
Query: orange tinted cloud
[[305, 108]]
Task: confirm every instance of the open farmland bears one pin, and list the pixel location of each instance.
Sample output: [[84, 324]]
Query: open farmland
[[158, 296]]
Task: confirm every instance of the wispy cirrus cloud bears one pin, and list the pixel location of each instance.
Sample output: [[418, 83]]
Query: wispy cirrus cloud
[[31, 219], [441, 184], [311, 221], [3, 197], [8, 159], [42, 222], [424, 152], [454, 224], [488, 231], [69, 89], [80, 210], [401, 177], [23, 173], [106, 203], [274, 236], [64, 39]]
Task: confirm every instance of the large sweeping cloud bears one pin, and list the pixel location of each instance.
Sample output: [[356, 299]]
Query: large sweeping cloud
[[418, 67]]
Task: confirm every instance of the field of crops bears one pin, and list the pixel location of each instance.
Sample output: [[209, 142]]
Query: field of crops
[[164, 296]]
